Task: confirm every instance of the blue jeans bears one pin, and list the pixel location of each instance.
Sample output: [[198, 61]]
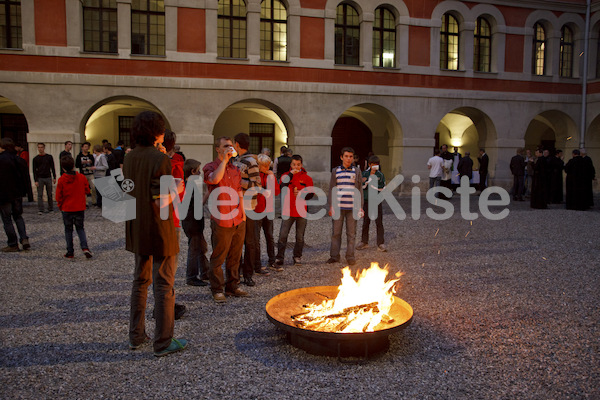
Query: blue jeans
[[10, 211], [284, 231], [266, 225], [336, 237], [197, 263], [47, 183], [76, 218]]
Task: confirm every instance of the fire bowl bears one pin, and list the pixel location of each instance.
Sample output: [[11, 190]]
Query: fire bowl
[[362, 344]]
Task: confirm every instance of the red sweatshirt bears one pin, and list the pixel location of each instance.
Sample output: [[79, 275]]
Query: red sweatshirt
[[261, 201], [71, 190], [300, 181]]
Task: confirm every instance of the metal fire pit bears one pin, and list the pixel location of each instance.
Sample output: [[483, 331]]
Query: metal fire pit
[[281, 307]]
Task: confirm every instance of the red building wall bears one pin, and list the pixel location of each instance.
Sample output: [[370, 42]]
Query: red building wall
[[50, 22], [418, 45], [191, 30], [312, 38]]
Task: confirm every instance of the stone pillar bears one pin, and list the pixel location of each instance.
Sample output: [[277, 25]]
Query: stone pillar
[[124, 26], [253, 32], [366, 41], [212, 11], [417, 152]]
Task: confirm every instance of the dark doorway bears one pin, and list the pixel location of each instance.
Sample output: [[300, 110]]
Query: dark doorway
[[350, 132]]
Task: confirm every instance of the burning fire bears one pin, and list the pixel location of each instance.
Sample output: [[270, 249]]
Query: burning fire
[[360, 305]]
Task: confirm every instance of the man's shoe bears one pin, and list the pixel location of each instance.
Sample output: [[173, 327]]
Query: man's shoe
[[40, 212], [175, 346], [25, 243], [137, 346], [180, 310], [69, 255], [10, 249], [196, 282], [332, 261], [362, 246], [297, 260], [381, 247], [262, 271], [249, 282], [351, 261], [219, 297], [278, 266], [88, 253], [237, 293]]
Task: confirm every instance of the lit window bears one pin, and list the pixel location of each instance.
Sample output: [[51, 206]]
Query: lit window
[[539, 50], [273, 30], [100, 26], [449, 43], [148, 27], [566, 52], [384, 39], [231, 29], [347, 35], [10, 24], [482, 60]]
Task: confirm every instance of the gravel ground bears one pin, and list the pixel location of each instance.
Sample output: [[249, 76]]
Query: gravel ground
[[509, 311]]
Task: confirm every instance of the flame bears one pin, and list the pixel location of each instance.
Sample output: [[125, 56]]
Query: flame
[[360, 305]]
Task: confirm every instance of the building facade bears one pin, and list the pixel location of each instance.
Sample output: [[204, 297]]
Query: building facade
[[394, 77]]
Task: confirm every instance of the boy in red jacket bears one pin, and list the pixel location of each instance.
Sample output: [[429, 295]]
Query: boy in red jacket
[[265, 224], [71, 192], [293, 211]]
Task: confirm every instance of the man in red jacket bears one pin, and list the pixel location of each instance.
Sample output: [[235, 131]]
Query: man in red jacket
[[71, 192], [293, 210]]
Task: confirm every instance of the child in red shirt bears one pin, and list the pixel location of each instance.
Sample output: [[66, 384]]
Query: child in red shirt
[[266, 224]]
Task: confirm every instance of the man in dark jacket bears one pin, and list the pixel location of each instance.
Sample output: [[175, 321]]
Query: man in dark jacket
[[484, 162], [44, 175], [590, 176], [517, 167], [556, 183], [576, 183], [12, 176], [465, 166]]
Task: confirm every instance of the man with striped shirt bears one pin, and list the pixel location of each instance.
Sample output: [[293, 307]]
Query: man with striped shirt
[[344, 191]]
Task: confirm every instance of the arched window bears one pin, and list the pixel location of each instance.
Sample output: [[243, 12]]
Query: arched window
[[148, 27], [539, 50], [11, 36], [347, 35], [231, 29], [566, 52], [384, 39], [100, 26], [273, 30], [482, 60], [449, 43]]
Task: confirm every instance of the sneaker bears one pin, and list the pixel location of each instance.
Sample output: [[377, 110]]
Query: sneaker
[[362, 246], [25, 243], [219, 297], [262, 271], [278, 266], [237, 293], [10, 249], [69, 255], [381, 247], [137, 346], [332, 261], [249, 282], [180, 310], [297, 260], [88, 253], [175, 346], [196, 282], [40, 212]]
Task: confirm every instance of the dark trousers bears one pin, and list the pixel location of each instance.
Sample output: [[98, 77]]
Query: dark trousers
[[197, 263], [161, 272], [74, 218], [482, 181], [44, 183], [266, 225], [227, 246], [336, 237], [284, 231], [518, 186], [378, 223], [13, 210], [251, 248]]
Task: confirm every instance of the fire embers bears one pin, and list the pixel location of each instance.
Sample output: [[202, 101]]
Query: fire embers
[[360, 306]]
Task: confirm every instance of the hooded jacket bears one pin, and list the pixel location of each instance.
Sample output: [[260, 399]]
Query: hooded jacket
[[300, 180], [71, 190]]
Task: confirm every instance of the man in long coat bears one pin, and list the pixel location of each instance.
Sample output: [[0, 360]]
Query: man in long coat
[[576, 183]]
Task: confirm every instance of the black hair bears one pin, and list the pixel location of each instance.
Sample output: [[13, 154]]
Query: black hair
[[146, 127], [169, 141], [297, 157], [346, 150], [243, 140], [67, 163]]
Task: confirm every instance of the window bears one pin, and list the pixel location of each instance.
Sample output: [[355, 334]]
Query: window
[[100, 26], [384, 39], [10, 24], [231, 29], [347, 35], [566, 52], [14, 126], [273, 30], [261, 136], [449, 43], [482, 60], [125, 124], [539, 50], [148, 27]]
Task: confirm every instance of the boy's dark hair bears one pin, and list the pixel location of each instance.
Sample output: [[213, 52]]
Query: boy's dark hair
[[146, 127], [374, 160], [436, 152], [67, 142], [169, 140], [346, 150], [576, 152], [8, 144], [108, 147], [282, 148], [243, 140], [42, 143], [189, 165], [17, 144], [67, 163], [84, 143], [297, 157], [120, 143], [482, 150]]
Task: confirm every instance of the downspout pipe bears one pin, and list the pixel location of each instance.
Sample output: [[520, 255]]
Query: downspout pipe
[[586, 45]]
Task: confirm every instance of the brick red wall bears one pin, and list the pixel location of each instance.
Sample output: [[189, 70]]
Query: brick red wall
[[50, 22], [418, 46], [513, 61], [191, 30], [312, 38]]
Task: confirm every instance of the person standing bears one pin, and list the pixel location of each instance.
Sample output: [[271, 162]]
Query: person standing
[[99, 170], [65, 152], [228, 224], [23, 155], [538, 198], [265, 223], [446, 180], [282, 163], [590, 176], [84, 161], [347, 179], [484, 162], [435, 165], [368, 178], [530, 161], [556, 184], [44, 175], [517, 168], [576, 183], [119, 153], [152, 240], [12, 176], [465, 167]]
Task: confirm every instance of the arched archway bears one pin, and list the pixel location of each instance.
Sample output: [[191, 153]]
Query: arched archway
[[13, 123], [111, 119], [552, 129], [266, 124]]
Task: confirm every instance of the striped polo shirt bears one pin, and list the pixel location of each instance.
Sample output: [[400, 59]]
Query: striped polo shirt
[[346, 183]]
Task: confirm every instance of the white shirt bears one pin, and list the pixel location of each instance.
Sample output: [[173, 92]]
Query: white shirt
[[436, 163]]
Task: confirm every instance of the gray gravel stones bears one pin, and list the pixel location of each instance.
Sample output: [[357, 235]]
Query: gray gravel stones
[[511, 311]]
